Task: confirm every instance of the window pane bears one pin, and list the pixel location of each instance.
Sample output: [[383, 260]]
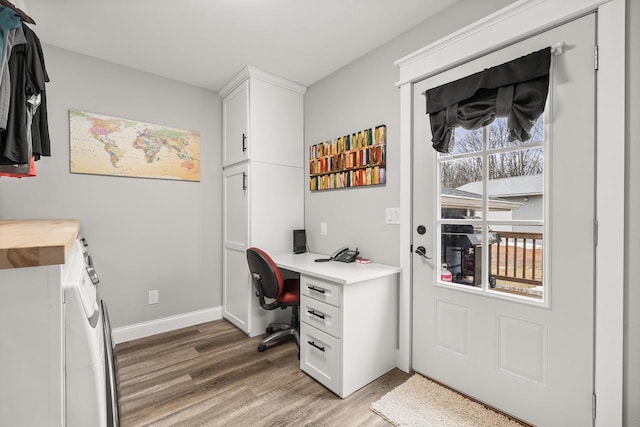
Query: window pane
[[517, 260], [461, 254], [516, 185], [466, 141], [461, 188], [497, 132]]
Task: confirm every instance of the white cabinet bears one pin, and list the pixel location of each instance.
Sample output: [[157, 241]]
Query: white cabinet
[[348, 332], [320, 357], [32, 346], [235, 112], [262, 118], [34, 266], [263, 184], [348, 320], [237, 284]]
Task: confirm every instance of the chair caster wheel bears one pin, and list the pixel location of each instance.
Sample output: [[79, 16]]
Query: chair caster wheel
[[269, 330], [262, 347]]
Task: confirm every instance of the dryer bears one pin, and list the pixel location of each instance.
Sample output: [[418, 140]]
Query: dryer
[[91, 389]]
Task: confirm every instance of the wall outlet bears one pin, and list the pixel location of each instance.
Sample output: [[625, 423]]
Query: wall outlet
[[153, 297]]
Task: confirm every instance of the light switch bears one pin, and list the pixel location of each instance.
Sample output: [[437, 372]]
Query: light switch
[[323, 228], [393, 216]]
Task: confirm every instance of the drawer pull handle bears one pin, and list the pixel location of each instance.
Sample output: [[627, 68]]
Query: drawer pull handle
[[244, 142], [314, 289], [313, 344], [313, 313]]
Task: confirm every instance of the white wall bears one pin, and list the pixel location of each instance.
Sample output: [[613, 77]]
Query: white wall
[[632, 221], [143, 233], [359, 96]]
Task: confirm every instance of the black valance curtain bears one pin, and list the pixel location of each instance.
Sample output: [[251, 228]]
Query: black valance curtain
[[516, 90]]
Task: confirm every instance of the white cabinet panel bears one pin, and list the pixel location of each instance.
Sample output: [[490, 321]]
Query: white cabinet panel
[[320, 356], [236, 279], [324, 317], [235, 112], [31, 347], [237, 293], [277, 205], [236, 206], [276, 124], [321, 290]]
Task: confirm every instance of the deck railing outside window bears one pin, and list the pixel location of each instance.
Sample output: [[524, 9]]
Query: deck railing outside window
[[518, 258]]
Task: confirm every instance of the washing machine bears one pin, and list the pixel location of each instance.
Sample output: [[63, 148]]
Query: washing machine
[[90, 385]]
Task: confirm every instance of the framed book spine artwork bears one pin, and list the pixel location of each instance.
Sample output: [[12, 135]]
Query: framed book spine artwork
[[349, 161]]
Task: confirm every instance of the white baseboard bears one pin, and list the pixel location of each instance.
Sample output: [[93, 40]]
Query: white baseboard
[[166, 324]]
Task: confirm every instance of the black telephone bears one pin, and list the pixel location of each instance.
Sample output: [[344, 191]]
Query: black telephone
[[345, 255]]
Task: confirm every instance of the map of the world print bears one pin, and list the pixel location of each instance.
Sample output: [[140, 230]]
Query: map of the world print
[[105, 145]]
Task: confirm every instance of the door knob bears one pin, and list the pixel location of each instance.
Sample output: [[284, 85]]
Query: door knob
[[420, 250]]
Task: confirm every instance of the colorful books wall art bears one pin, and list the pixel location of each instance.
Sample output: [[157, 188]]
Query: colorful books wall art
[[349, 161]]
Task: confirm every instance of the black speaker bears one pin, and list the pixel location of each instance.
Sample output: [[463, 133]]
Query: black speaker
[[299, 241]]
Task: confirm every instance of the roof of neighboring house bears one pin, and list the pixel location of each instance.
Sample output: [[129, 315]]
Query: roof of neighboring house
[[456, 198], [528, 185], [456, 192]]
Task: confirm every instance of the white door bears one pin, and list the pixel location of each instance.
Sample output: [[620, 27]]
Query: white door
[[236, 293], [524, 346], [235, 117]]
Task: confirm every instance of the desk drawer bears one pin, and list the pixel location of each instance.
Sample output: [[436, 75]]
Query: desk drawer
[[320, 356], [323, 316], [321, 290]]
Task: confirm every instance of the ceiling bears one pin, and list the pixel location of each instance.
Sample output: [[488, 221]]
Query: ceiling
[[206, 42]]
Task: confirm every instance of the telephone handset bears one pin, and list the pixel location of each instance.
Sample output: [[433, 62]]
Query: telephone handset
[[345, 255]]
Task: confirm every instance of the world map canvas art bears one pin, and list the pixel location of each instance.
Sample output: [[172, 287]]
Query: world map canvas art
[[105, 145]]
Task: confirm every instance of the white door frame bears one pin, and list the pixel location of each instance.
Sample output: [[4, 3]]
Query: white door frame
[[509, 25]]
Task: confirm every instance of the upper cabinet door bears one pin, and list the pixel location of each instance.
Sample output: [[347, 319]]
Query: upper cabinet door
[[276, 112], [235, 137]]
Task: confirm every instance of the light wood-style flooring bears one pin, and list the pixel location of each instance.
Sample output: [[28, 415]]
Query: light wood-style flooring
[[212, 375]]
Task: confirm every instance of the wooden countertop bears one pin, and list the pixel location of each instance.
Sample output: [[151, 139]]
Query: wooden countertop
[[36, 242]]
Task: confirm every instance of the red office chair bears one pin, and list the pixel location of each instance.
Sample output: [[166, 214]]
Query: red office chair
[[268, 283]]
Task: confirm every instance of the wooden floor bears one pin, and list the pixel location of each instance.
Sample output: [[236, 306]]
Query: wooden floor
[[213, 375]]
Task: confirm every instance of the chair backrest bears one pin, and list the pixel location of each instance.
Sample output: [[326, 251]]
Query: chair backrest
[[264, 273]]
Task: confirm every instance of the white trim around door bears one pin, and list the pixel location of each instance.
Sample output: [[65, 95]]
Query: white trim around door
[[509, 25]]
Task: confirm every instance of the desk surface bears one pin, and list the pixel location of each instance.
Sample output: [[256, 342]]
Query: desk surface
[[333, 271]]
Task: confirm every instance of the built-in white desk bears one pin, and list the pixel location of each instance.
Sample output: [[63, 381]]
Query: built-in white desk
[[348, 320]]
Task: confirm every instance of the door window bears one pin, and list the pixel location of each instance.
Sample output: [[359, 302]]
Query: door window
[[492, 212]]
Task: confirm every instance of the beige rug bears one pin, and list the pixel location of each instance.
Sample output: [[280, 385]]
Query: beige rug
[[422, 402]]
